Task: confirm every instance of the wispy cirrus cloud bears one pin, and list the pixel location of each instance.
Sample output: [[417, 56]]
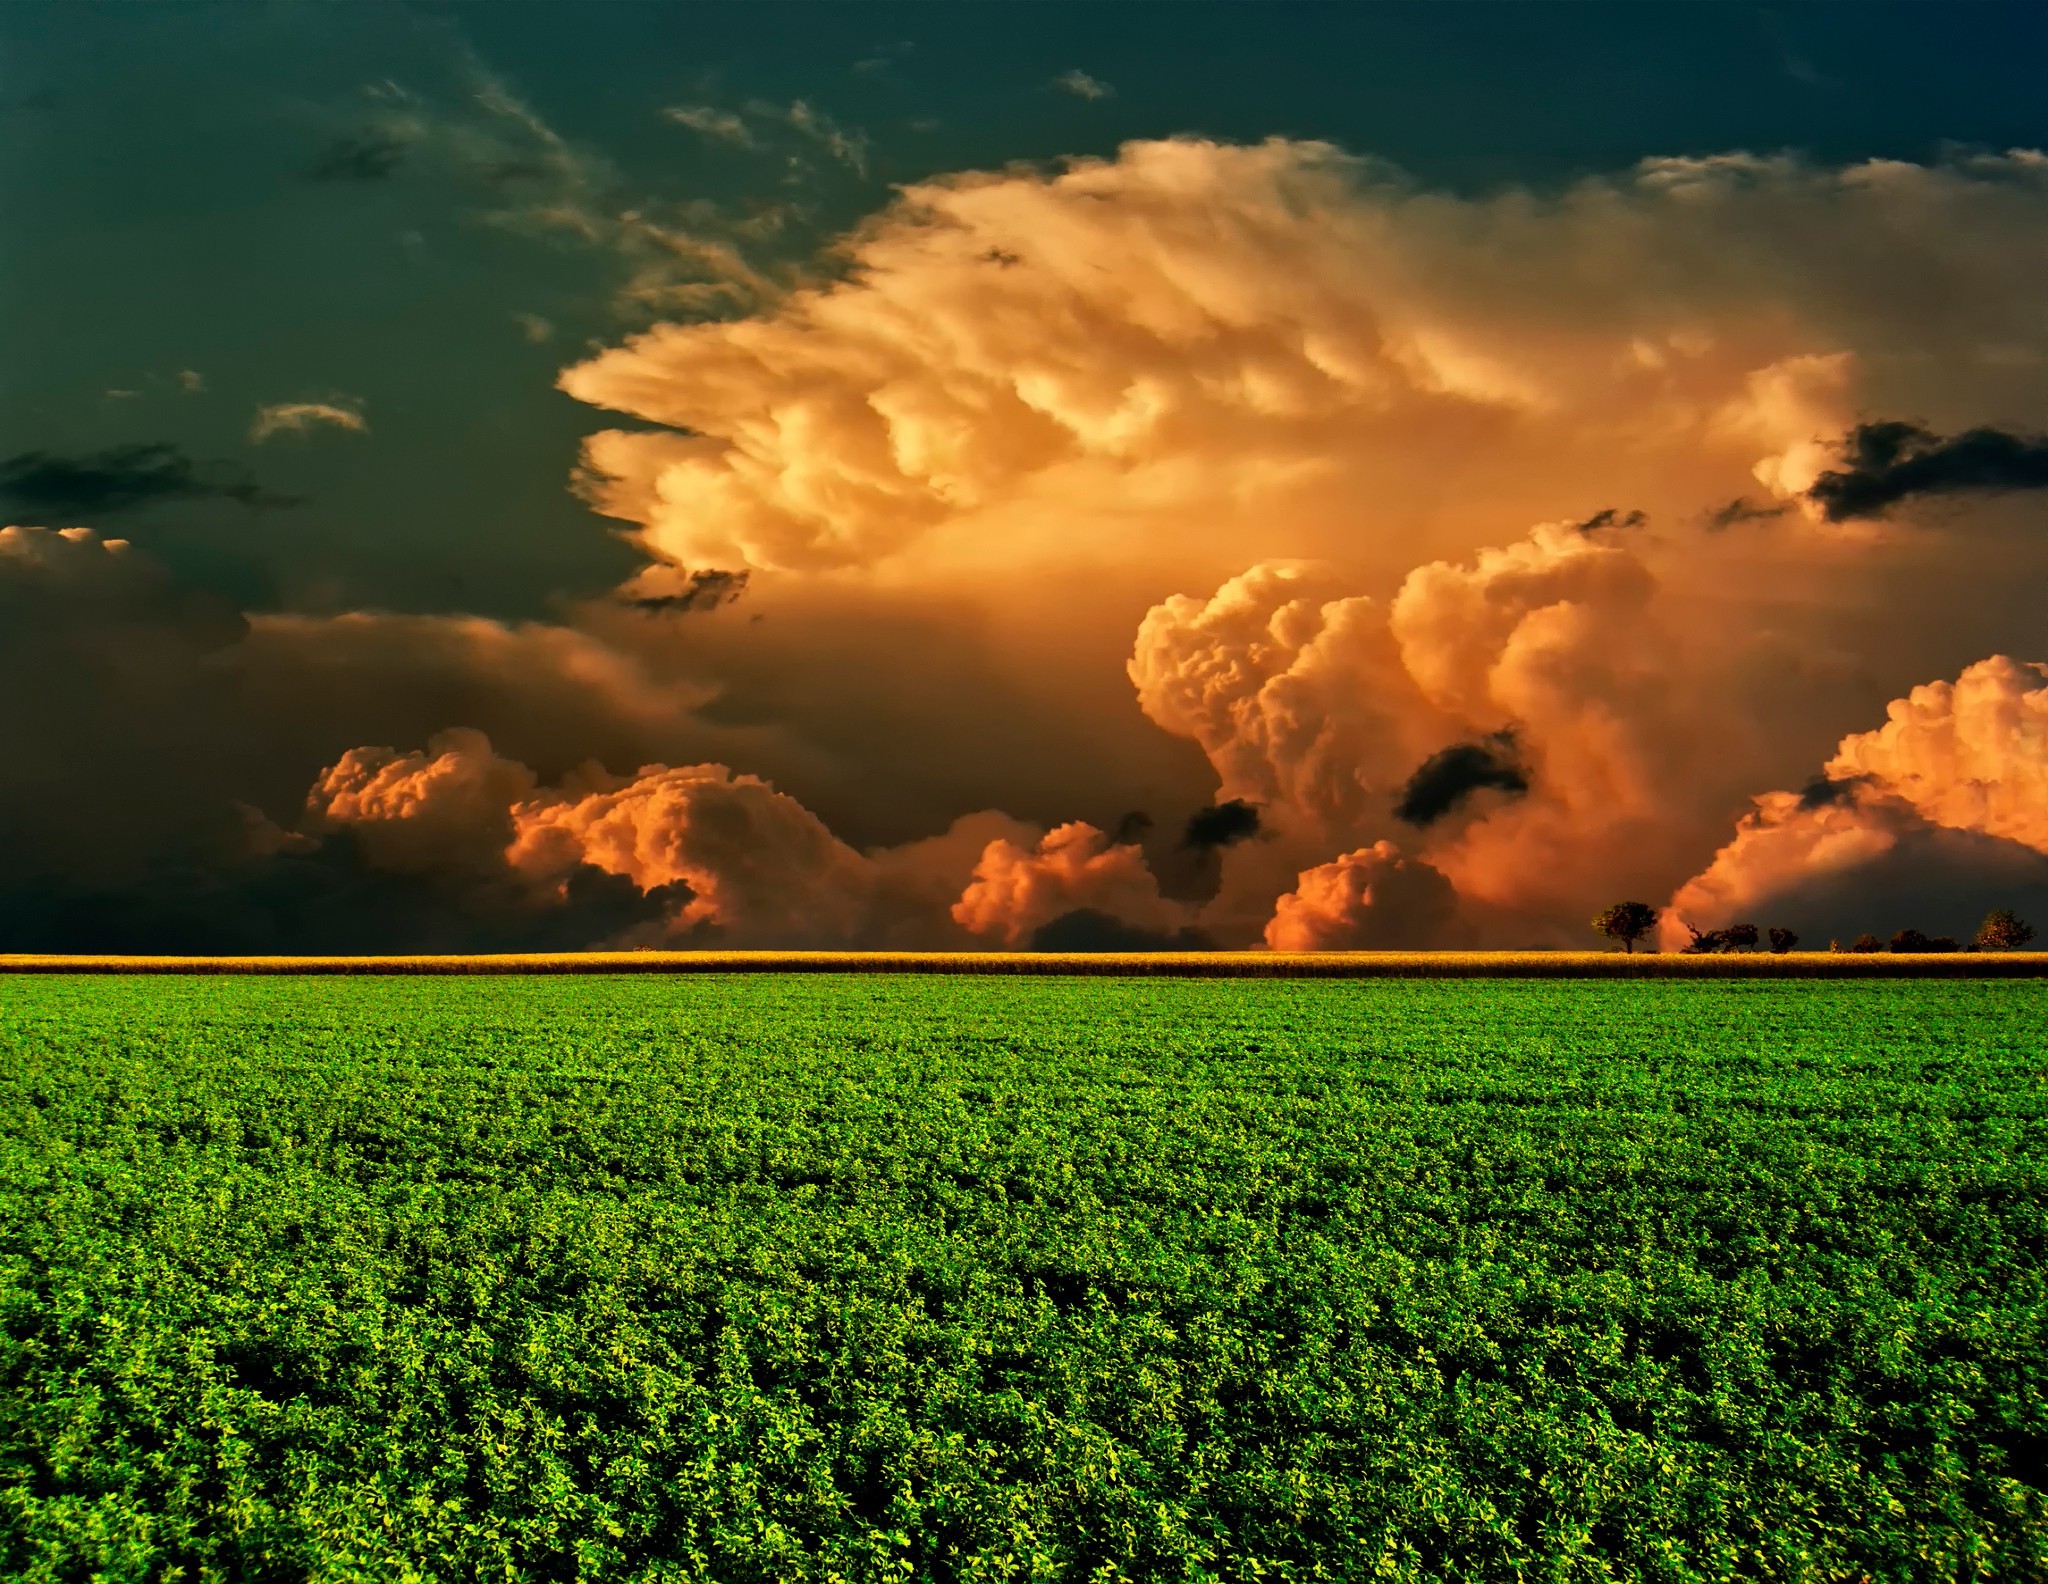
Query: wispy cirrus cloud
[[1082, 86], [721, 125], [302, 418]]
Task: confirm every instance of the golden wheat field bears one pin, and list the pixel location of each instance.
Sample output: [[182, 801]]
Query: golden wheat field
[[1219, 965]]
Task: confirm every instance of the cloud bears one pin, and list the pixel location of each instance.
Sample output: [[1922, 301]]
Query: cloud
[[108, 724], [734, 861], [1556, 669], [721, 125], [123, 478], [1610, 517], [419, 811], [1741, 510], [302, 418], [1863, 862], [848, 148], [686, 256], [1221, 825], [760, 867], [1970, 754], [1945, 805], [1372, 899], [533, 327], [1299, 698], [551, 696], [1890, 462], [663, 588], [1091, 930], [1194, 336], [1444, 780], [1017, 890], [1264, 427], [370, 157], [1082, 86], [191, 381]]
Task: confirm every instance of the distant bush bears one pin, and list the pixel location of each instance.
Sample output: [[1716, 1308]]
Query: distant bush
[[1783, 940], [1736, 937], [1941, 943], [1909, 940], [1866, 942], [2003, 930]]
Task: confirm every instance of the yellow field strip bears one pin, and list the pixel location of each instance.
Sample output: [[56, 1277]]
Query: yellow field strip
[[1194, 965]]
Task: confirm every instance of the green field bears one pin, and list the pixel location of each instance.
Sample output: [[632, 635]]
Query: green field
[[821, 1277]]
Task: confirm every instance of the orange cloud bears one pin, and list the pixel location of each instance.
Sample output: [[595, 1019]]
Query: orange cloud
[[1373, 898], [1017, 889], [418, 811], [1262, 334], [759, 865], [748, 865], [1969, 756]]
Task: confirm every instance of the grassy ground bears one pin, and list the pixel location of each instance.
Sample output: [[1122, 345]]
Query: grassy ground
[[794, 1278], [1174, 965]]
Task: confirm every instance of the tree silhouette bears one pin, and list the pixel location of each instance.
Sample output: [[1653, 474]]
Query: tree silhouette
[[2003, 930], [1739, 937], [1909, 940], [1627, 922], [1782, 939]]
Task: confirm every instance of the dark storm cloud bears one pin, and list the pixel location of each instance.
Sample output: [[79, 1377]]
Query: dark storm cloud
[[372, 157], [1741, 510], [330, 899], [703, 590], [1820, 792], [1446, 778], [1089, 930], [1891, 461], [1132, 828], [1221, 825], [1610, 517], [121, 478]]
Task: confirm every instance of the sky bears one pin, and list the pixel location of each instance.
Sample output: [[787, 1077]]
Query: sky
[[1018, 475]]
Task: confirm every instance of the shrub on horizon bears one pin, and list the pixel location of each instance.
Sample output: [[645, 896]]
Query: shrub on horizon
[[1783, 940]]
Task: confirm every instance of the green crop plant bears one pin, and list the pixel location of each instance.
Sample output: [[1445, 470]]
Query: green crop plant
[[792, 1278]]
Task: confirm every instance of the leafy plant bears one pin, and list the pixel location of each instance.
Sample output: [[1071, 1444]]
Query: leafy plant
[[864, 1277]]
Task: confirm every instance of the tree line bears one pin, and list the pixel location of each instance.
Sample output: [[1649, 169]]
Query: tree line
[[1629, 922]]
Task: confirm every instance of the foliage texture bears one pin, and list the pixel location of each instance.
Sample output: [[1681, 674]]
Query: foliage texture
[[770, 1278]]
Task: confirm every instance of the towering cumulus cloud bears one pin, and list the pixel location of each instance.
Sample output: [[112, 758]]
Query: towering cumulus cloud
[[1530, 711], [1018, 890], [1943, 806], [1373, 897]]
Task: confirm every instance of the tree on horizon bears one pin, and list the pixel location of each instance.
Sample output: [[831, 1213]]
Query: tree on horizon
[[1627, 922]]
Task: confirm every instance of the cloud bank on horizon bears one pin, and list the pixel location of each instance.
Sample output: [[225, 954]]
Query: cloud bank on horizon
[[1485, 560]]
